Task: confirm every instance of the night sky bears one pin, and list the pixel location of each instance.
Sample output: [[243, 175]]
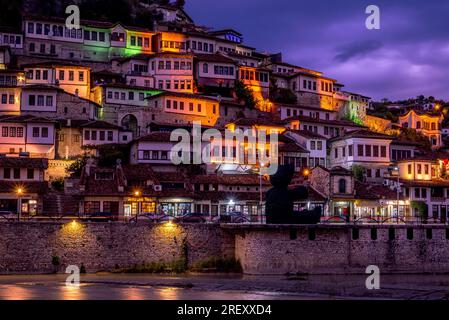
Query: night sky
[[407, 57]]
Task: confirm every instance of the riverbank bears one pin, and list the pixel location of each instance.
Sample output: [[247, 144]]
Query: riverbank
[[221, 287]]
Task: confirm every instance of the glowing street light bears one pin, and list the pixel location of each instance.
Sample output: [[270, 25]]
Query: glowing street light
[[19, 192]]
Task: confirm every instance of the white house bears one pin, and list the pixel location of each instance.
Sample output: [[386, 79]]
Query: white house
[[74, 79], [27, 134], [429, 124], [363, 148], [314, 143]]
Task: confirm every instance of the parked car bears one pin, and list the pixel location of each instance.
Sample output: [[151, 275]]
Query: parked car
[[99, 217], [234, 217], [8, 215], [192, 218], [153, 217]]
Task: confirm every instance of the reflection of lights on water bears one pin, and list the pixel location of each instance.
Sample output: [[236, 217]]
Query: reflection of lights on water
[[168, 293], [72, 292], [15, 292]]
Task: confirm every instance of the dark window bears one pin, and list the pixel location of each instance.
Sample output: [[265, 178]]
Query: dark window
[[355, 234], [373, 234], [409, 233], [391, 234], [7, 173], [16, 173], [342, 186], [360, 150], [30, 174], [383, 151]]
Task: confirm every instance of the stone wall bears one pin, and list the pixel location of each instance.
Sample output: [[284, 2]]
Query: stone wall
[[29, 247], [276, 250], [281, 250]]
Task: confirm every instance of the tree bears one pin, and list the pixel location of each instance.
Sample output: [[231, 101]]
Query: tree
[[76, 168], [359, 173], [412, 135], [283, 95], [244, 93]]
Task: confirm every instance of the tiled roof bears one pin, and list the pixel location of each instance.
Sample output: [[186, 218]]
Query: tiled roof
[[363, 134], [230, 179], [182, 95], [398, 142], [421, 183], [41, 87], [28, 187], [100, 125], [156, 137], [256, 122], [292, 147], [24, 118], [214, 58], [344, 123], [52, 64], [298, 106], [21, 162], [139, 172], [228, 196], [340, 171], [308, 134], [374, 192]]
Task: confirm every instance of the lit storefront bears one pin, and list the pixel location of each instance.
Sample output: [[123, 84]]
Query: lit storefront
[[175, 207], [133, 206], [382, 210]]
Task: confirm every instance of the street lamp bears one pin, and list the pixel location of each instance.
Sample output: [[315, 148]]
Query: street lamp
[[262, 165], [19, 202], [137, 194], [397, 196]]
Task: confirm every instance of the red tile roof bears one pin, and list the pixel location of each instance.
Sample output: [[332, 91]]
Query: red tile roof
[[218, 58], [20, 162], [28, 187], [363, 134], [343, 123]]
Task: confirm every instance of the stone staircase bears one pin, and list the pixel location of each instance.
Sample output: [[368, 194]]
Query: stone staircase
[[59, 204]]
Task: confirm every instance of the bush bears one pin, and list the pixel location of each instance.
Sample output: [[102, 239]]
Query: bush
[[58, 184], [55, 261], [220, 264]]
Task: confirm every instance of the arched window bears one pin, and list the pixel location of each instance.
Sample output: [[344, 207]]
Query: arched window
[[205, 68], [130, 122], [342, 186]]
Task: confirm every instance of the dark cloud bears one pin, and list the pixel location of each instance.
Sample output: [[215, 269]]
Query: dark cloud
[[408, 56], [356, 49]]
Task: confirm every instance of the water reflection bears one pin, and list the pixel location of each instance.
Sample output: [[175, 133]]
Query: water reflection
[[168, 293], [72, 292], [15, 292]]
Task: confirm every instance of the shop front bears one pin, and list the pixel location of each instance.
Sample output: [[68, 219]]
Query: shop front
[[133, 206], [343, 209], [177, 207], [28, 204]]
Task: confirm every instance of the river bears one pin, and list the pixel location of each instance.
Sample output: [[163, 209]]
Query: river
[[220, 287]]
